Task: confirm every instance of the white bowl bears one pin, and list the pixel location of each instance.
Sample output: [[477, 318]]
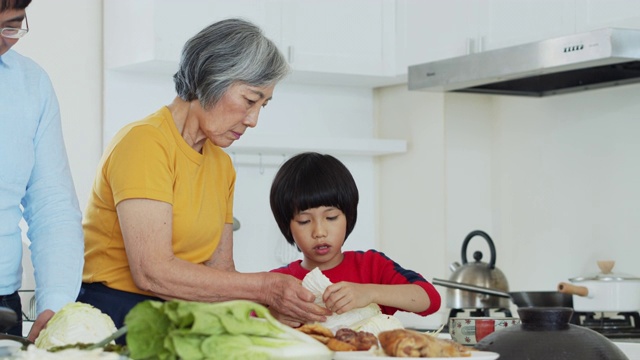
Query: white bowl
[[470, 330]]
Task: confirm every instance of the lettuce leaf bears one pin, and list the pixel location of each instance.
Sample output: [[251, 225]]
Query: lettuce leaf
[[229, 330]]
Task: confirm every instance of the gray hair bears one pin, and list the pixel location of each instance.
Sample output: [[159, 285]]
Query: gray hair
[[224, 53]]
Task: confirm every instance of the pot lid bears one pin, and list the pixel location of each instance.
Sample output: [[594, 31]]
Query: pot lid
[[606, 274]]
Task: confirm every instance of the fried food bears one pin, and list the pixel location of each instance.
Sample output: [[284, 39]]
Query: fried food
[[317, 332], [315, 329], [322, 339], [409, 343], [337, 345], [345, 339], [362, 340], [347, 335]]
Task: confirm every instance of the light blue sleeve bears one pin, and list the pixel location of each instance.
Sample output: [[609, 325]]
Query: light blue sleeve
[[51, 209]]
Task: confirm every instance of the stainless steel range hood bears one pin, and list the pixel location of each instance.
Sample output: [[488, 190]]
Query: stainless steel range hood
[[586, 61]]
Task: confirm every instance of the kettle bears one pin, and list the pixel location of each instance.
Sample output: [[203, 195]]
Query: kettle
[[480, 274]]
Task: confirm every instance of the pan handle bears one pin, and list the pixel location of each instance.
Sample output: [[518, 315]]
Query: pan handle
[[567, 288], [472, 288]]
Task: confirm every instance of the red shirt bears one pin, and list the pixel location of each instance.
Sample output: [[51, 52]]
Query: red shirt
[[371, 267]]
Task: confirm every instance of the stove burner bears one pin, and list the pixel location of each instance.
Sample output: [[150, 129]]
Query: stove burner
[[626, 322], [612, 325]]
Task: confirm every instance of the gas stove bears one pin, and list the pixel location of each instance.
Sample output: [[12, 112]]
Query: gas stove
[[621, 325], [477, 313], [485, 312], [623, 329]]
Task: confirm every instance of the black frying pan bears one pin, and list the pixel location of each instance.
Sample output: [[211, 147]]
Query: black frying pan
[[8, 318], [520, 298]]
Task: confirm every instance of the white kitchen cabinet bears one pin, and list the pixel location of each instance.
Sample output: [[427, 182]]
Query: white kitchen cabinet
[[352, 37], [506, 22], [327, 42], [172, 31], [148, 35], [430, 30], [597, 14]]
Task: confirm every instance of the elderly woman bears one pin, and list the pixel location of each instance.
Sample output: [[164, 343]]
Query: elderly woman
[[159, 220]]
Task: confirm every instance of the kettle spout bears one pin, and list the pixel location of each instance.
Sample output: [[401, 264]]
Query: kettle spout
[[454, 266]]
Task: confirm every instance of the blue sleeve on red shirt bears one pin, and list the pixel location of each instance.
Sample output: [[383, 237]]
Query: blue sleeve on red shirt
[[400, 275]]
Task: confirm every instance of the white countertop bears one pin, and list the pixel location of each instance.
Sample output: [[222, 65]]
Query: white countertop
[[631, 349]]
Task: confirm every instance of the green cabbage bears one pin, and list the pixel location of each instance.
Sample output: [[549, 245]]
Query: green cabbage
[[75, 323], [229, 330]]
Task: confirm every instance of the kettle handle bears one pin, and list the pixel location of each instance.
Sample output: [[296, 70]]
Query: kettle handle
[[492, 248]]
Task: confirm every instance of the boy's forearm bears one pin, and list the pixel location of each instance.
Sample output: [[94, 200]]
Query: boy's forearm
[[409, 297]]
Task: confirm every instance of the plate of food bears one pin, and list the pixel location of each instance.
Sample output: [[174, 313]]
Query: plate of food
[[371, 355], [410, 343]]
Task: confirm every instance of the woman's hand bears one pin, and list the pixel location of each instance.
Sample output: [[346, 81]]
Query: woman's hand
[[287, 320], [39, 324], [344, 296], [291, 303]]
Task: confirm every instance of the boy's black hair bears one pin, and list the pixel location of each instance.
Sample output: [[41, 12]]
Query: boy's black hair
[[14, 4], [309, 180]]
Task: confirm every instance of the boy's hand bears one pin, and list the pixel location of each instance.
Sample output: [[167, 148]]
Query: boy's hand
[[344, 296]]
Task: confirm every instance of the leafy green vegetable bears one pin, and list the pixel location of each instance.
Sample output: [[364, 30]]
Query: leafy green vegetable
[[229, 330], [75, 323]]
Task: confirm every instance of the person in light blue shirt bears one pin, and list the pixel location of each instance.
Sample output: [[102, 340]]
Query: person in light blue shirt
[[35, 182]]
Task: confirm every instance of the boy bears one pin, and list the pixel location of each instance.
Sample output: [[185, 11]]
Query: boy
[[314, 200]]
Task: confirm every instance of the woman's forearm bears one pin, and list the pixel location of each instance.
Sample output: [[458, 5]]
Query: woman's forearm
[[196, 282]]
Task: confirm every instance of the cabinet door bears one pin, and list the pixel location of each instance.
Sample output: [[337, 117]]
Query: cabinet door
[[430, 30], [339, 37], [177, 21], [598, 14], [144, 31], [508, 22]]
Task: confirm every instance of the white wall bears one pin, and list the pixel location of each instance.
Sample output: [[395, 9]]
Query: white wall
[[411, 204], [566, 178], [552, 180]]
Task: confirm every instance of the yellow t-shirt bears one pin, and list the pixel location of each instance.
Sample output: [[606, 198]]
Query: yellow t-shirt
[[150, 159]]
